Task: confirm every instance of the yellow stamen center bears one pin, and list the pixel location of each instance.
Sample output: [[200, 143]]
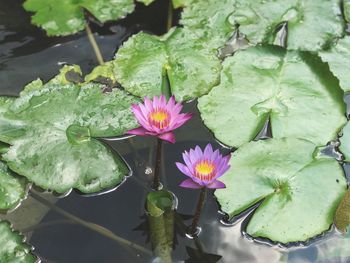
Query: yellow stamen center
[[159, 118], [205, 170]]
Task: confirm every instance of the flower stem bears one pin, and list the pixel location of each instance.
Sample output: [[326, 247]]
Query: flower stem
[[199, 208], [156, 178], [170, 16], [94, 44]]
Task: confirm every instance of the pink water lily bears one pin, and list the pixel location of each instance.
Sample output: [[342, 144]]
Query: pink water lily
[[203, 168], [159, 118]]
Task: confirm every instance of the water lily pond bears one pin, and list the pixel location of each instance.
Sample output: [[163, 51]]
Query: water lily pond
[[195, 131]]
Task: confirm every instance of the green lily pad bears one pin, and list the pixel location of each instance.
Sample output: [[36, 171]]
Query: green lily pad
[[12, 188], [345, 142], [346, 8], [311, 24], [146, 63], [294, 89], [299, 191], [209, 19], [64, 17], [12, 247], [105, 71], [52, 132], [337, 58]]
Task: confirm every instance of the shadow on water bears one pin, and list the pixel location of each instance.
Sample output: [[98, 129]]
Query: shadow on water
[[85, 229]]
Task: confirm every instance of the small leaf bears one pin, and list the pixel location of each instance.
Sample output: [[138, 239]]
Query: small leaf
[[145, 62], [342, 215], [294, 89], [12, 188], [12, 247], [52, 132], [66, 17], [299, 193]]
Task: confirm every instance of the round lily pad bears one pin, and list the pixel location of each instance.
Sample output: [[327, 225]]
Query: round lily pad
[[12, 247], [52, 132], [146, 65], [294, 89], [298, 192], [64, 17], [311, 24]]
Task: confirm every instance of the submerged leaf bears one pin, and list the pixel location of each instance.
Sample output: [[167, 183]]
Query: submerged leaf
[[52, 134], [338, 60], [311, 24], [66, 17], [12, 247], [12, 188], [299, 193], [145, 63], [342, 215], [294, 89]]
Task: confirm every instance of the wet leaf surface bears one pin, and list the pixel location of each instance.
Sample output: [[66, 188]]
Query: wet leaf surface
[[295, 90], [145, 63], [12, 188], [12, 247], [337, 58], [53, 129], [299, 193]]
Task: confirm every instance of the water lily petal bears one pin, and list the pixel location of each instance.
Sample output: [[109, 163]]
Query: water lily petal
[[216, 185], [183, 168], [188, 183], [169, 136]]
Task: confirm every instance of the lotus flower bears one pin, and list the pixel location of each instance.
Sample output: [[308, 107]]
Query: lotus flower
[[159, 118], [203, 168]]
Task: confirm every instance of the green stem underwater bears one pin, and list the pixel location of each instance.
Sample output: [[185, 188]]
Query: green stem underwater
[[197, 215], [170, 16], [94, 44], [156, 178]]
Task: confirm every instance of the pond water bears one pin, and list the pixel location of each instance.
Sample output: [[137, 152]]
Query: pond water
[[85, 229]]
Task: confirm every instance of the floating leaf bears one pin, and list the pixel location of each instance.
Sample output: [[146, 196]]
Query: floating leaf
[[12, 188], [52, 134], [64, 17], [346, 7], [146, 63], [337, 58], [12, 247], [312, 24], [103, 71], [342, 215], [209, 19], [299, 193], [294, 89]]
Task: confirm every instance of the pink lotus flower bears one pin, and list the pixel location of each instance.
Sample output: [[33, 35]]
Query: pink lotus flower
[[159, 118], [203, 168]]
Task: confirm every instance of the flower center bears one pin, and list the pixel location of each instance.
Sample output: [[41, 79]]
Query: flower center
[[159, 118], [205, 170]]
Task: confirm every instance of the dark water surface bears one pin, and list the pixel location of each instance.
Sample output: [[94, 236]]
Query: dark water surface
[[26, 54]]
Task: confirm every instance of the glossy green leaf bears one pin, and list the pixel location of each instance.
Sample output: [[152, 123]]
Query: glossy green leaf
[[209, 19], [52, 134], [12, 188], [345, 142], [66, 17], [145, 63], [311, 24], [12, 246], [338, 59], [103, 71], [299, 192], [294, 89]]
